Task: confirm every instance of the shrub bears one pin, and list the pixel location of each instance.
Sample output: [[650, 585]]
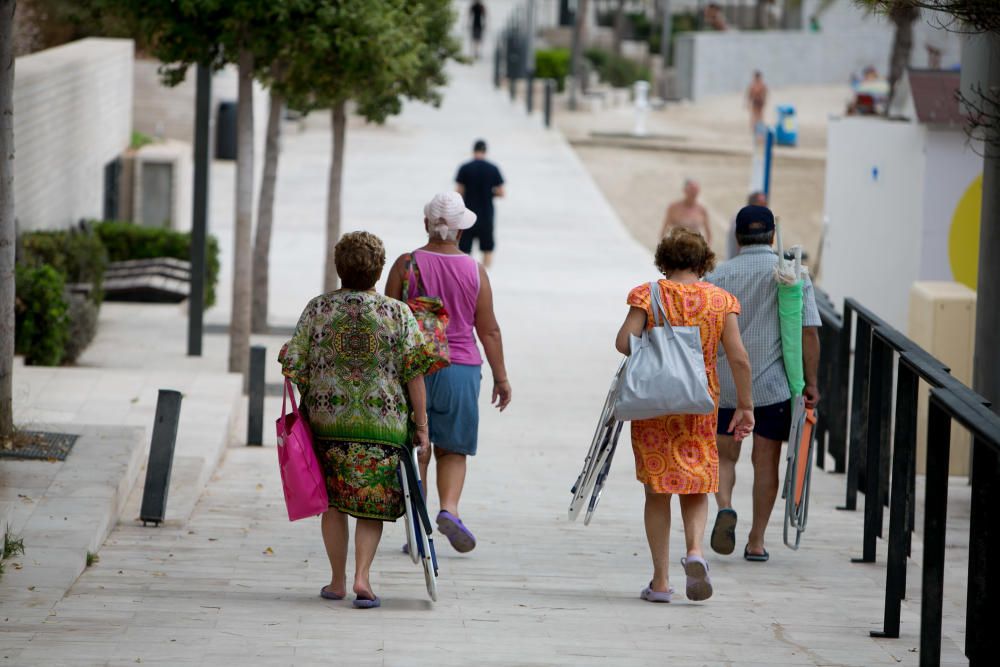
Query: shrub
[[617, 71], [41, 322], [553, 64], [77, 254], [83, 315], [125, 241]]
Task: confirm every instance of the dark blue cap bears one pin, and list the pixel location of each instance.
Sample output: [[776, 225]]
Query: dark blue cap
[[754, 220]]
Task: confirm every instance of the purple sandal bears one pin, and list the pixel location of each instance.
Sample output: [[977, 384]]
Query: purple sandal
[[699, 584], [367, 603], [327, 595], [649, 595], [451, 526]]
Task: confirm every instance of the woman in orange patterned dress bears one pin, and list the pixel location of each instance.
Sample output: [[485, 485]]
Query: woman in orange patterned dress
[[677, 454]]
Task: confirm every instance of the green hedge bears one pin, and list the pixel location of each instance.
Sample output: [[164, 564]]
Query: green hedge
[[77, 254], [617, 71], [553, 64], [41, 322], [125, 241]]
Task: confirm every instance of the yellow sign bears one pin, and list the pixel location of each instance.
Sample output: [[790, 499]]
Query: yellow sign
[[963, 240]]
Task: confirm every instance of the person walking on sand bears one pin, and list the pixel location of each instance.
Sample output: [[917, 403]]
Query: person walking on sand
[[441, 270], [358, 441], [676, 454], [750, 277], [756, 98], [688, 213], [479, 181]]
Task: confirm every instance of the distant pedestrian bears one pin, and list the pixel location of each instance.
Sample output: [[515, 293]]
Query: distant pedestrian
[[714, 18], [756, 98], [353, 359], [688, 213], [757, 198], [441, 270], [676, 454], [477, 23], [479, 181], [750, 277]]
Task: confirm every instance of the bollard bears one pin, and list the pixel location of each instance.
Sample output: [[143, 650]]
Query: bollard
[[496, 67], [529, 97], [513, 87], [161, 457], [548, 102], [255, 398]]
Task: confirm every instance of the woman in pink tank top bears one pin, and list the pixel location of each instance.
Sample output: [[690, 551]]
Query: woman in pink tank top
[[453, 392]]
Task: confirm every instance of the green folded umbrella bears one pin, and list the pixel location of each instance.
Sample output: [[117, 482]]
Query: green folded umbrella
[[790, 276]]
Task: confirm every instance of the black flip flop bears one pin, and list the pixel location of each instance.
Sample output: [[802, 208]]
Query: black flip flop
[[755, 558], [724, 532]]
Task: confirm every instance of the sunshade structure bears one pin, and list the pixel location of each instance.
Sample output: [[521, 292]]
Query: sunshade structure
[[418, 523], [791, 276]]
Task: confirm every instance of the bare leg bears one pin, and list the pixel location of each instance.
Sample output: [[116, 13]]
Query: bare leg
[[488, 258], [336, 534], [694, 513], [729, 454], [366, 539], [657, 518], [451, 469], [766, 460]]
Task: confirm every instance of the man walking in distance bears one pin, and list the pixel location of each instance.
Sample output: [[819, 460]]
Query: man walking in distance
[[750, 278], [688, 213], [479, 181], [757, 100], [477, 22]]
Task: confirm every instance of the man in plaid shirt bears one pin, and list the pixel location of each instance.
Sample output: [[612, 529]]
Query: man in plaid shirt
[[750, 278]]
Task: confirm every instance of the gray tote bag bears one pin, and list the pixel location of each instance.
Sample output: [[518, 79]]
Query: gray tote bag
[[665, 373]]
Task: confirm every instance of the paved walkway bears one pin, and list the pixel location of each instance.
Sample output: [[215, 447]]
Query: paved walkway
[[238, 583]]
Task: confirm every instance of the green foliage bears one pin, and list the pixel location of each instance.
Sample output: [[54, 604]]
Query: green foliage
[[617, 70], [12, 546], [77, 254], [139, 140], [125, 241], [553, 64], [83, 315], [92, 558], [41, 323]]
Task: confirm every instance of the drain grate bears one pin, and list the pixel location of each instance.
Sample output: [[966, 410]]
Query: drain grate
[[39, 445]]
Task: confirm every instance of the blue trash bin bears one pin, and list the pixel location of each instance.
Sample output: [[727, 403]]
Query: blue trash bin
[[787, 130]]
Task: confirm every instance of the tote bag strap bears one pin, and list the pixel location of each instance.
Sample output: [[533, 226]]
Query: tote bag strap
[[289, 393], [412, 269], [656, 306]]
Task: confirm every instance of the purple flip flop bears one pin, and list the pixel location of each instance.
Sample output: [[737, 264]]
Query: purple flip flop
[[327, 595], [365, 603], [451, 526], [649, 595], [699, 584]]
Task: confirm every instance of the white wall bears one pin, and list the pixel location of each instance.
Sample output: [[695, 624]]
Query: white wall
[[72, 115], [718, 63], [872, 250]]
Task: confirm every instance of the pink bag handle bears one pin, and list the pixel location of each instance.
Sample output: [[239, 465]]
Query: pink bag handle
[[288, 393]]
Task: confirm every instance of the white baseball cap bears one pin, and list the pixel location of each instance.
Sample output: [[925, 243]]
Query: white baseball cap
[[449, 207]]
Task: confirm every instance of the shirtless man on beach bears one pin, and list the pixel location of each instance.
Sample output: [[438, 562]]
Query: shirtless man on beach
[[757, 99], [688, 213]]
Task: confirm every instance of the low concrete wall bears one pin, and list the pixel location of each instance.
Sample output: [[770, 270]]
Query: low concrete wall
[[72, 115]]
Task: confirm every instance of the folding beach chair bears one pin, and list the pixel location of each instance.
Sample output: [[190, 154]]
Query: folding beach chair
[[798, 474], [418, 523], [597, 463]]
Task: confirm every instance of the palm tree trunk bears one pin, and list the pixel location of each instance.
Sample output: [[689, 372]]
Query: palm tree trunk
[[619, 28], [576, 59], [7, 232], [265, 216], [339, 121], [239, 321], [903, 17]]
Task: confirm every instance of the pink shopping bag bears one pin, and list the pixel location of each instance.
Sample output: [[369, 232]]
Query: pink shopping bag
[[301, 474]]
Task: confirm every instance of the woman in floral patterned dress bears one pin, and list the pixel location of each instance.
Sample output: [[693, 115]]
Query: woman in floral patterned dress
[[358, 360], [677, 454]]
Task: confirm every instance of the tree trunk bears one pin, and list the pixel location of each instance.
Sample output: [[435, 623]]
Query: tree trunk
[[265, 215], [239, 319], [339, 121], [760, 15], [619, 28], [6, 218], [903, 17], [576, 60]]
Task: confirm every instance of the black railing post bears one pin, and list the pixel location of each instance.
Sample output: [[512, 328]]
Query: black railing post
[[549, 84], [843, 378], [497, 57], [859, 408], [161, 457], [881, 360], [529, 96], [903, 452], [255, 396], [981, 617], [935, 518]]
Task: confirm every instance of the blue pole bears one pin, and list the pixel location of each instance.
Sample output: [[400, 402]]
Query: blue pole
[[768, 151]]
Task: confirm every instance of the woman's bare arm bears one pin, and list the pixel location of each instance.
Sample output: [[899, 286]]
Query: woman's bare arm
[[488, 330], [394, 282], [739, 362], [635, 322]]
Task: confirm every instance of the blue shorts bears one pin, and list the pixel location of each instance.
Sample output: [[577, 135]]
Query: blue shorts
[[453, 408], [773, 422]]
